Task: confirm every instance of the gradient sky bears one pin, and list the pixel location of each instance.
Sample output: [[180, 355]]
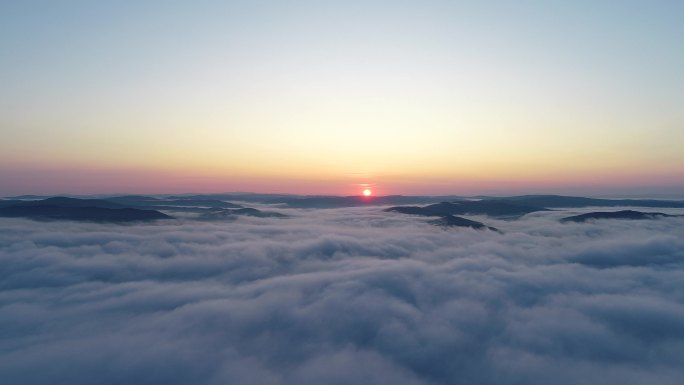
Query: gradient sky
[[409, 97]]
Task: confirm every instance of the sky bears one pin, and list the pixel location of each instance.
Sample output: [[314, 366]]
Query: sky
[[342, 296], [330, 97]]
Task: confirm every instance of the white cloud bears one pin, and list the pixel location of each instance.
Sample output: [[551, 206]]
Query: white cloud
[[342, 296]]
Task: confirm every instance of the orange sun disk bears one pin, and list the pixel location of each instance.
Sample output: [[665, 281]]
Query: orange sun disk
[[367, 192]]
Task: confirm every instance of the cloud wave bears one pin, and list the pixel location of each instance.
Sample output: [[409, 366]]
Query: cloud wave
[[342, 296]]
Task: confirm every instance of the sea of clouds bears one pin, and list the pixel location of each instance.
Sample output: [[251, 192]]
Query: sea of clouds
[[342, 296]]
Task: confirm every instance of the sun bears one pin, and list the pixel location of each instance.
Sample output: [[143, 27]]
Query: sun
[[367, 192]]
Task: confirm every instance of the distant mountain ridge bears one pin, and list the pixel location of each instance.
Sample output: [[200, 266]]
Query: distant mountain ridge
[[321, 201], [126, 209], [215, 207], [454, 221], [62, 208], [245, 211], [622, 214], [332, 201], [513, 207], [490, 208], [143, 201], [557, 201]]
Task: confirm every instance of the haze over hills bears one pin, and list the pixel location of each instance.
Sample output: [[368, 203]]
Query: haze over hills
[[139, 200], [622, 214], [531, 201], [121, 209], [78, 210], [332, 201], [515, 207], [493, 208], [329, 201], [554, 201], [128, 208], [454, 221]]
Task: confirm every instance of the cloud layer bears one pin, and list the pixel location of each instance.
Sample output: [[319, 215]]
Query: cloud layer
[[342, 296]]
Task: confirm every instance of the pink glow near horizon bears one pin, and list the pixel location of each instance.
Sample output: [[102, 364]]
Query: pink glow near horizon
[[84, 181]]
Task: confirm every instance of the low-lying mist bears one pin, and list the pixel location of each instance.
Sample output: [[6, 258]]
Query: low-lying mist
[[342, 296]]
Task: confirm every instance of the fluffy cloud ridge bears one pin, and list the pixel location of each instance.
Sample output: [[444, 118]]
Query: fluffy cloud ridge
[[342, 296]]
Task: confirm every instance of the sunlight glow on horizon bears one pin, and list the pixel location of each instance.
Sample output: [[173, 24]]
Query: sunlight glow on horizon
[[426, 96]]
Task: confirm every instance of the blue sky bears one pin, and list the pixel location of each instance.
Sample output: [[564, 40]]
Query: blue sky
[[411, 96]]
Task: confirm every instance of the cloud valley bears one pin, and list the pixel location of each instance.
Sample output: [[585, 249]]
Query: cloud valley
[[339, 296]]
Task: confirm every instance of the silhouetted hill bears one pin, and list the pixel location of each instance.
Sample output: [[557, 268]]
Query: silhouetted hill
[[445, 211], [244, 197], [453, 221], [415, 210], [79, 210], [8, 202], [623, 214], [348, 201], [322, 201], [142, 201], [490, 208], [71, 202], [536, 202], [133, 198], [126, 208], [247, 211], [555, 201], [28, 197]]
